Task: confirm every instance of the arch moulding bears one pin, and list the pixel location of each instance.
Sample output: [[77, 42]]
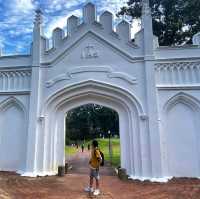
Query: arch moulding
[[130, 110]]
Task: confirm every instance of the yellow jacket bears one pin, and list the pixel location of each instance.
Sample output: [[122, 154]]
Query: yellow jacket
[[95, 159]]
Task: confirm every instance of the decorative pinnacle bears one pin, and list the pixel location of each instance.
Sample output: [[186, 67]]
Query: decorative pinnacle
[[146, 8], [146, 11], [38, 17]]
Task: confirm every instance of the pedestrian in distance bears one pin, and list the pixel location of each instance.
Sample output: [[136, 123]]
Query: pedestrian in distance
[[76, 144], [82, 148]]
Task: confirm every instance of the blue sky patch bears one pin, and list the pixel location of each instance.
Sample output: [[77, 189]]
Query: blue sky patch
[[17, 16]]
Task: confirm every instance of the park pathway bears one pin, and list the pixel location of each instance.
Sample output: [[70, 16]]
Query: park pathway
[[79, 163], [13, 186]]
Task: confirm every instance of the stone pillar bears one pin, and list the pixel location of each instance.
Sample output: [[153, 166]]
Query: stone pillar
[[150, 90], [145, 147], [34, 110]]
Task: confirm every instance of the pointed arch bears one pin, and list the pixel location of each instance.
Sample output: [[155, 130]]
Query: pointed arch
[[183, 98], [12, 101], [13, 135], [129, 108], [180, 136], [92, 86]]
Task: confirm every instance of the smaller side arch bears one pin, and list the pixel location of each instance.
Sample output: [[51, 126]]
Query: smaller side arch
[[184, 98], [13, 142], [10, 101], [180, 137]]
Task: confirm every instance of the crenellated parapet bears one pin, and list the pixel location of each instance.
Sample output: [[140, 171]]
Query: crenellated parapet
[[89, 13], [58, 35], [105, 25], [106, 19], [72, 25], [123, 30]]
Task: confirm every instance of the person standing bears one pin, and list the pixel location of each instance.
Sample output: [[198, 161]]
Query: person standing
[[95, 161]]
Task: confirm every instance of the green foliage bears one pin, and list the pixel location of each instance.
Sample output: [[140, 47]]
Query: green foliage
[[89, 121], [174, 21]]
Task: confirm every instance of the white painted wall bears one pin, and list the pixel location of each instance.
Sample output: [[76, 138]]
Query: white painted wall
[[181, 137], [155, 90], [13, 135]]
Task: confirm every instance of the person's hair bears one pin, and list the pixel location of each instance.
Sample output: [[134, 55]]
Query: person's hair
[[95, 143]]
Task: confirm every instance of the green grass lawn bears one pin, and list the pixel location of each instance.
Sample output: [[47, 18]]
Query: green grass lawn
[[70, 150], [104, 146]]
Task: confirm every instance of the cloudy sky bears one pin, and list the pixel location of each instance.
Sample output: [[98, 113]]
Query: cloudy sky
[[17, 16]]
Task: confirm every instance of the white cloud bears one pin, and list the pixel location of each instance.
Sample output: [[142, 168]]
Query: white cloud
[[2, 41], [20, 7], [24, 5], [111, 5], [19, 17], [60, 22], [60, 5]]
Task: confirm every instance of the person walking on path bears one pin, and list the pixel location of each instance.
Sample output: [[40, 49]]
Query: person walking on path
[[88, 147], [94, 163], [82, 148], [76, 144]]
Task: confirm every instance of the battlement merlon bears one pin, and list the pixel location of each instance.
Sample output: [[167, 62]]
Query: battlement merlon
[[123, 28]]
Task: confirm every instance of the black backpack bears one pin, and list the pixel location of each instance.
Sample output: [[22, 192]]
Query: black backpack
[[102, 158]]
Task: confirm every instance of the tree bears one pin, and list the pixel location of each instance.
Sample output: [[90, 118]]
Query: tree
[[174, 21], [89, 121]]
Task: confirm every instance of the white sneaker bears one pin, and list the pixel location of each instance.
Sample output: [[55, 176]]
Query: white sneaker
[[88, 189], [96, 192]]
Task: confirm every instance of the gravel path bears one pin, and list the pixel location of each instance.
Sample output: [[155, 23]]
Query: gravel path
[[79, 163], [71, 186]]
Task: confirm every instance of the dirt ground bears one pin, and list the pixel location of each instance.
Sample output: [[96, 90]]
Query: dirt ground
[[71, 186]]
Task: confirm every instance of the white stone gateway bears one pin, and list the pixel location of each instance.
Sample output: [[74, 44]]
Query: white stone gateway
[[155, 90]]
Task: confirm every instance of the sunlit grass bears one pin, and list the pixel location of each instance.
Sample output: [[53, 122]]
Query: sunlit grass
[[104, 147], [70, 150]]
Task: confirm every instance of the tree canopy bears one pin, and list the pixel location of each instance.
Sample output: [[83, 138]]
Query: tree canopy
[[174, 21], [89, 121]]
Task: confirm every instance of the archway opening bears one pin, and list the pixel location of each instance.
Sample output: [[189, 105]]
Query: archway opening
[[92, 92], [86, 123]]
